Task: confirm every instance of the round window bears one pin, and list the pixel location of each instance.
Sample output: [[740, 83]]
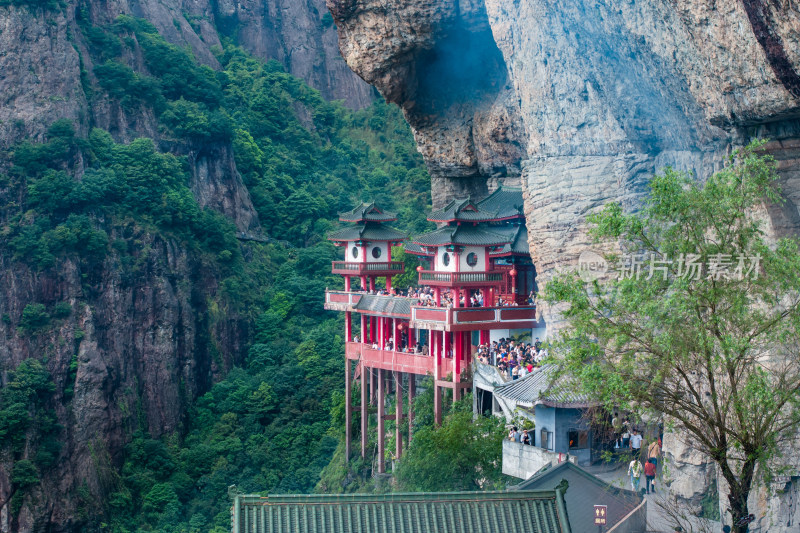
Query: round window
[[472, 259], [376, 252], [446, 259], [354, 252]]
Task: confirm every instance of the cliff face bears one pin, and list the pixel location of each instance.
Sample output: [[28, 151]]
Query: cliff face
[[44, 52], [142, 347], [584, 101]]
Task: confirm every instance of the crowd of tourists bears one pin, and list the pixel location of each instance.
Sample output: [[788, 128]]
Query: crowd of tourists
[[513, 360], [425, 296]]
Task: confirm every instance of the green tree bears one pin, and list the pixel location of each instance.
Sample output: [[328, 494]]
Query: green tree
[[462, 454], [717, 353]]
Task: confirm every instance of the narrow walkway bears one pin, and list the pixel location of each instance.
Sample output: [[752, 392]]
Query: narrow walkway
[[658, 520]]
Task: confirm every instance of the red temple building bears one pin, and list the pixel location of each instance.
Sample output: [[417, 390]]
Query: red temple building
[[477, 281]]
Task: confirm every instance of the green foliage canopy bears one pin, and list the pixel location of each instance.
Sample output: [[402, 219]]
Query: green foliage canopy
[[715, 352]]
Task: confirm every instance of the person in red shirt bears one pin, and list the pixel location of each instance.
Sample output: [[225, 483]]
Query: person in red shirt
[[650, 475]]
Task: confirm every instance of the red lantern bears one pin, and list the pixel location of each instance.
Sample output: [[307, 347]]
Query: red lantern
[[419, 268], [513, 272]]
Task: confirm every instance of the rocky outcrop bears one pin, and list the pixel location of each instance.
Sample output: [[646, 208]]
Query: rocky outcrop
[[142, 340], [439, 62], [217, 184], [585, 101]]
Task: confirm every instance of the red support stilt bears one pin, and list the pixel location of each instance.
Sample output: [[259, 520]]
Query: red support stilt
[[364, 415], [457, 353], [347, 283], [412, 390], [381, 430], [398, 413], [348, 407], [437, 396]]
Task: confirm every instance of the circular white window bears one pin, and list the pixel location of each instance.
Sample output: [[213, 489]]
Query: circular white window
[[354, 252], [376, 252], [472, 259], [446, 259]]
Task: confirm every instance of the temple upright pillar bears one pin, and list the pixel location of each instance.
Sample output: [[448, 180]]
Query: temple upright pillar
[[412, 390], [348, 407], [381, 421], [398, 413], [364, 415]]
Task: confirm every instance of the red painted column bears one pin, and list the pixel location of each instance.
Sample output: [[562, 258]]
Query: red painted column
[[389, 284], [437, 295], [348, 326], [371, 284], [348, 407], [398, 413], [381, 430], [412, 390], [437, 375], [457, 354], [364, 415], [363, 283]]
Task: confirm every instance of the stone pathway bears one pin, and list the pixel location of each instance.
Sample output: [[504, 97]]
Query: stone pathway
[[658, 520]]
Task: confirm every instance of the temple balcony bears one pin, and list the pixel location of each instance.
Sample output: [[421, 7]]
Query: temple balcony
[[341, 300], [383, 268], [397, 361], [490, 278], [473, 318]]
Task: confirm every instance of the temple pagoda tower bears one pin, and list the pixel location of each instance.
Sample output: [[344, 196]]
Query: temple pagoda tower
[[480, 274]]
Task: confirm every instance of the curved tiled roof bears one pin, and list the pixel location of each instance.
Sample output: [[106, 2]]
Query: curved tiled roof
[[514, 511], [367, 232], [502, 204], [518, 237], [416, 249], [397, 306], [462, 235], [367, 212], [545, 387], [505, 202]]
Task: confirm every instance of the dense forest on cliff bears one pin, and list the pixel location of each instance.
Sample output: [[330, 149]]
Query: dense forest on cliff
[[270, 417]]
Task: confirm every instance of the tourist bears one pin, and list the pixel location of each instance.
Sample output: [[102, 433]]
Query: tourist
[[635, 473], [636, 442], [525, 437], [650, 476], [654, 452], [513, 434]]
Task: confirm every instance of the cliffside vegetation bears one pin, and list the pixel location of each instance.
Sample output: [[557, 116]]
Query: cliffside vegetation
[[85, 196]]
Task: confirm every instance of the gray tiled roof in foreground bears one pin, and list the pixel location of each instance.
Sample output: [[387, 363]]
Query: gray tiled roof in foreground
[[517, 511]]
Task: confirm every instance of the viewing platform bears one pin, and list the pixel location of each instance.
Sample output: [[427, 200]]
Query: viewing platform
[[381, 268], [462, 279], [413, 363], [433, 318]]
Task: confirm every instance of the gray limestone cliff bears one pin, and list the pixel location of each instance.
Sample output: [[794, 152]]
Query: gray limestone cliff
[[583, 101]]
